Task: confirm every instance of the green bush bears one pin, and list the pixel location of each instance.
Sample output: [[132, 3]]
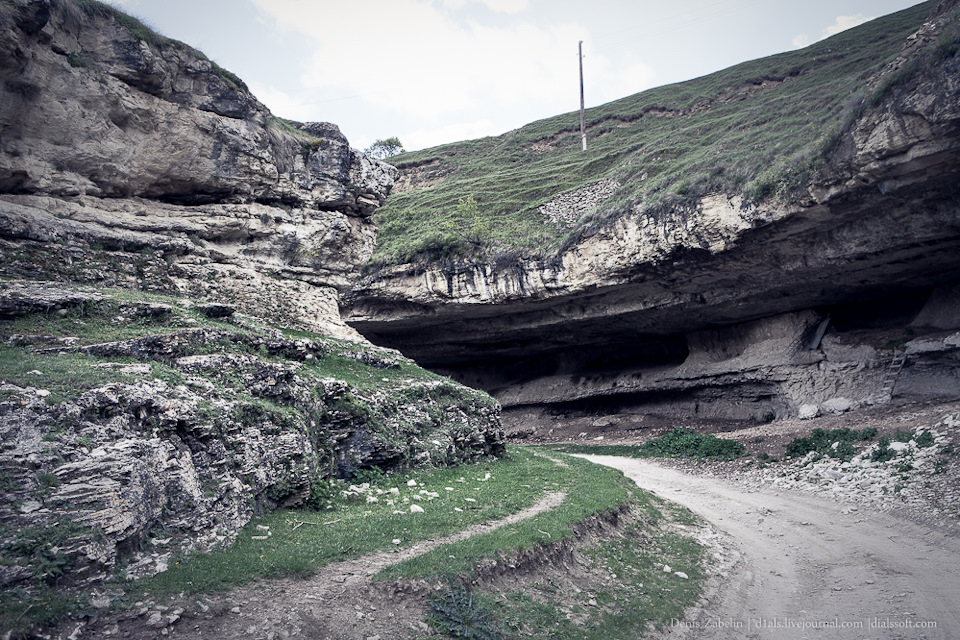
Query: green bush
[[687, 443], [822, 441], [883, 452], [924, 439], [324, 494], [678, 443]]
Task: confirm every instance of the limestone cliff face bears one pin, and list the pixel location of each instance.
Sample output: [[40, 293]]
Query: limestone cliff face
[[620, 316], [192, 422], [132, 166], [120, 140]]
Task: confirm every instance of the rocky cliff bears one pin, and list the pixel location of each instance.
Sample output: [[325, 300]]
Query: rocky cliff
[[172, 356], [733, 305], [130, 159]]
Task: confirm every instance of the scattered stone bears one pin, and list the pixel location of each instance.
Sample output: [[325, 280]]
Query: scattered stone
[[30, 506], [156, 620], [808, 411], [837, 405]]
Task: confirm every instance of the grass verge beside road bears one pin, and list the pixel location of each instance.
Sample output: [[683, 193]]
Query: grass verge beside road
[[615, 584]]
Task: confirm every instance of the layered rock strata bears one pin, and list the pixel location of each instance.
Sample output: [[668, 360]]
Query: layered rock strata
[[172, 439], [658, 311], [131, 163], [130, 159]]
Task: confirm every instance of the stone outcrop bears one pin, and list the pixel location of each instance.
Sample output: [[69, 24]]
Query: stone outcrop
[[704, 311], [131, 163], [130, 159], [172, 440]]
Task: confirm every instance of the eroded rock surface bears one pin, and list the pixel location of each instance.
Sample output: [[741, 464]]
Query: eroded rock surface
[[712, 311], [135, 426], [172, 440], [131, 160]]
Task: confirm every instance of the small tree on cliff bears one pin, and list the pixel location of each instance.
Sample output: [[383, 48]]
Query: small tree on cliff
[[384, 148]]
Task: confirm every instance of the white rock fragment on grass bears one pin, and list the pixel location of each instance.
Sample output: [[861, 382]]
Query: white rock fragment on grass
[[416, 508], [484, 478], [449, 488], [458, 509], [469, 499], [411, 483], [394, 491], [396, 541], [371, 499], [681, 574], [259, 537], [667, 569]]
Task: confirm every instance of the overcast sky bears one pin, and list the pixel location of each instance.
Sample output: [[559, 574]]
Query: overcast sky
[[437, 71]]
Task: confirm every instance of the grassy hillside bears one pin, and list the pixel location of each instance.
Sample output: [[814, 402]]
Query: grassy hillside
[[759, 129]]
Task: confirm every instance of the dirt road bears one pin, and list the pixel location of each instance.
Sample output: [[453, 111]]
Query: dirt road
[[799, 566]]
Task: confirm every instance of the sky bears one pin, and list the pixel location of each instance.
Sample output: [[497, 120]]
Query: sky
[[431, 72]]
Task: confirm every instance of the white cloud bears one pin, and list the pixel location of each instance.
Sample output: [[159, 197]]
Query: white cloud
[[506, 6], [842, 23], [498, 6], [416, 59], [280, 103], [426, 138]]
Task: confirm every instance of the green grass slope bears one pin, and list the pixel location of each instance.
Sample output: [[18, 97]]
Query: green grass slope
[[759, 129]]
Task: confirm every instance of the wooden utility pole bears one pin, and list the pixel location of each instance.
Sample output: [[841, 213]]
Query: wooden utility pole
[[583, 126]]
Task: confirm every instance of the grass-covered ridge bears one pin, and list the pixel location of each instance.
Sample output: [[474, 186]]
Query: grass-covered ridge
[[759, 129]]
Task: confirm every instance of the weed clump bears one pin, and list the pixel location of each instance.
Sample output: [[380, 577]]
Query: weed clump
[[883, 452], [687, 443], [458, 614], [677, 443], [836, 443]]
